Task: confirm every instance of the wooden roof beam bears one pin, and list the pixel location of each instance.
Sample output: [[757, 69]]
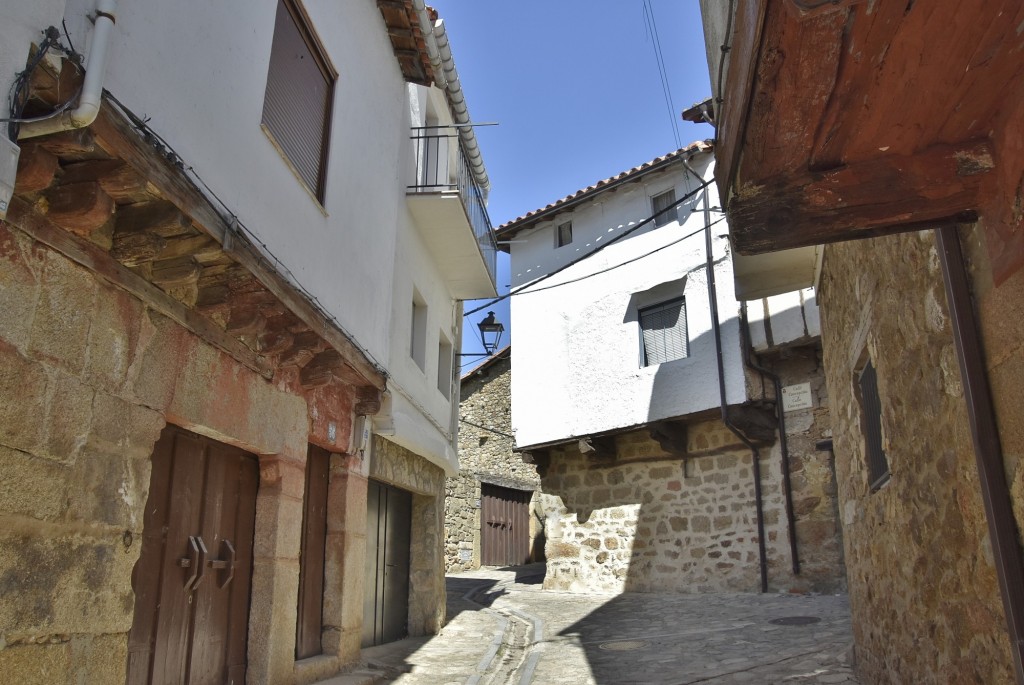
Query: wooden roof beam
[[892, 194]]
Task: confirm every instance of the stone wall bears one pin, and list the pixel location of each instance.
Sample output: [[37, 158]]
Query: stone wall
[[922, 585], [485, 454], [395, 465], [812, 474], [647, 521], [89, 376]]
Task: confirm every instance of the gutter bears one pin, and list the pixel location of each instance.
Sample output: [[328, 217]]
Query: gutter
[[447, 77], [755, 460], [780, 416], [92, 88], [988, 452]]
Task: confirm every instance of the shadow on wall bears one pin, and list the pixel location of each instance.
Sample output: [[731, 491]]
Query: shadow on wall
[[627, 514]]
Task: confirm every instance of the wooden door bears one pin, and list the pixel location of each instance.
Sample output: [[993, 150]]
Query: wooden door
[[309, 622], [193, 576], [388, 528], [504, 526]]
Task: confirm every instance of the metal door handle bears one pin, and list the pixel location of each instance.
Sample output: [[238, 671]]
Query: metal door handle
[[196, 561], [226, 564]]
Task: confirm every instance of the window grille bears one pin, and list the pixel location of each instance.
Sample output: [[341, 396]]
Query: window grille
[[660, 202], [664, 332], [297, 102]]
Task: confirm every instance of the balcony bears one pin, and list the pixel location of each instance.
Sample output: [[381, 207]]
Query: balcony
[[450, 211]]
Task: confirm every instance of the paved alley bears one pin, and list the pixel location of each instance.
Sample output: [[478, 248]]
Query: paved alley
[[504, 629]]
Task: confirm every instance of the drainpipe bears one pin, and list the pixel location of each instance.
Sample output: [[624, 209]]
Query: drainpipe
[[787, 486], [92, 89], [988, 452], [447, 77], [717, 330]]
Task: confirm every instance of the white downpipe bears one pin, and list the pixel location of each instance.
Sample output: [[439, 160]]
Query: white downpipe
[[92, 89], [447, 77]]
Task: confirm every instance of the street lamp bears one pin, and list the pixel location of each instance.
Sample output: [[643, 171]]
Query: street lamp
[[490, 333]]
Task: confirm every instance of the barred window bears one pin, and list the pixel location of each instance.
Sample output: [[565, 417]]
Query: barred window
[[664, 332]]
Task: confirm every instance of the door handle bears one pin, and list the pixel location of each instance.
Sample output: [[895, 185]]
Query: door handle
[[225, 564], [196, 561]]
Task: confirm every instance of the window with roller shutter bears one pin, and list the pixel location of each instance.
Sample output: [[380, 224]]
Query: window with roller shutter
[[297, 102], [664, 332]]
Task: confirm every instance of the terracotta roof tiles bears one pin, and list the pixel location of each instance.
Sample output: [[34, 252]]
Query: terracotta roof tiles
[[512, 227]]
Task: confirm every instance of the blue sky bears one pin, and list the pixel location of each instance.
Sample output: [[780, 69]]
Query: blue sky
[[575, 88]]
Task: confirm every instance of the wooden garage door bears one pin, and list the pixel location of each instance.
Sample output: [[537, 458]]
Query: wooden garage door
[[504, 526], [192, 579]]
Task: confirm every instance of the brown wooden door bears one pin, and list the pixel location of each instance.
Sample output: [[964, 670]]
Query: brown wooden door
[[309, 622], [193, 576], [504, 526]]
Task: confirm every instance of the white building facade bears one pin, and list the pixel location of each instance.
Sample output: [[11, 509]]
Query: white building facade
[[259, 243], [616, 394]]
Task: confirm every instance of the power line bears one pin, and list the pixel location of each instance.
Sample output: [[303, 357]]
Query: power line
[[628, 261], [629, 231], [662, 71], [489, 430]]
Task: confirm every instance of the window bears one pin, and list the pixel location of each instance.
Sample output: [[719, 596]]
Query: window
[[563, 234], [660, 202], [418, 341], [664, 332], [297, 102], [444, 366], [309, 622], [871, 426]]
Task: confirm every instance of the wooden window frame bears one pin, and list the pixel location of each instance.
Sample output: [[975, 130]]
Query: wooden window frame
[[418, 332], [303, 25], [313, 554], [667, 217], [445, 362], [681, 301], [559, 240]]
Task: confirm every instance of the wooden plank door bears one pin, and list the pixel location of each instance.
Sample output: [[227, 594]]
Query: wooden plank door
[[193, 576], [388, 538], [309, 626], [504, 526]]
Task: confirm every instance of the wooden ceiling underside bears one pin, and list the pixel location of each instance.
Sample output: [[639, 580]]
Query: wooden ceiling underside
[[887, 113]]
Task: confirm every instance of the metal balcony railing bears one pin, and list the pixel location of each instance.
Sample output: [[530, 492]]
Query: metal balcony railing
[[441, 166]]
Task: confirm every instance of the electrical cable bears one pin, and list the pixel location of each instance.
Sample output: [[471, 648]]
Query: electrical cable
[[19, 92], [629, 231], [662, 71], [628, 261], [489, 430], [726, 46], [255, 247]]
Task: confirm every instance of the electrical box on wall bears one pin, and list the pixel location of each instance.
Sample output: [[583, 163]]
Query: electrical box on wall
[[9, 153]]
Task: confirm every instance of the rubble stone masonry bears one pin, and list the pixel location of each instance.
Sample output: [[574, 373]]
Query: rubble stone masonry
[[484, 455], [650, 522], [923, 589]]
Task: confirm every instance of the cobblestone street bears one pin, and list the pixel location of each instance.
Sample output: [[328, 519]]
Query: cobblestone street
[[504, 629]]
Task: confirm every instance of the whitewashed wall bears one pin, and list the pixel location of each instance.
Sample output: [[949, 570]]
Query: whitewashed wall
[[578, 347], [780, 320], [197, 70]]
